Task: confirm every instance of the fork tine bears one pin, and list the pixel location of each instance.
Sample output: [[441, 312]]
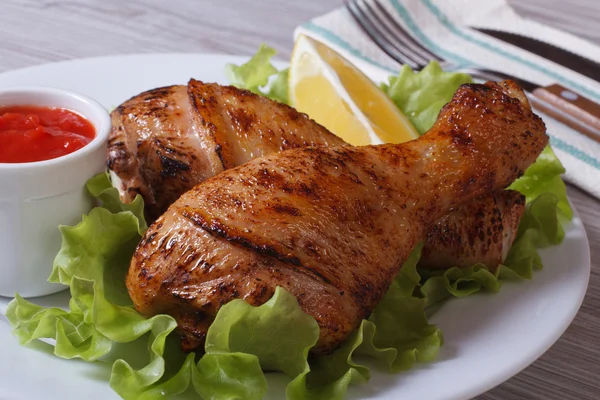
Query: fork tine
[[402, 36], [369, 26], [385, 29]]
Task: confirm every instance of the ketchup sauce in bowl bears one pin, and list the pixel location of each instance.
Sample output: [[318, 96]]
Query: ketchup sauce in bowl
[[34, 133], [52, 141]]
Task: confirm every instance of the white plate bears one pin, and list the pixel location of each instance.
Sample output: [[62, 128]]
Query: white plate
[[488, 338]]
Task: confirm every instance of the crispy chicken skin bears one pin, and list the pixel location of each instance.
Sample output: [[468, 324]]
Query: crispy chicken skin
[[480, 231], [332, 225], [167, 140]]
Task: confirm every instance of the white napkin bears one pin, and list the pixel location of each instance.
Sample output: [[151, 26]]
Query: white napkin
[[444, 26]]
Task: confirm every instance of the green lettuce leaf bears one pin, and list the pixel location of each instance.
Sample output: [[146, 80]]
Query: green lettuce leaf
[[281, 334], [421, 95], [229, 376], [101, 188], [243, 341], [277, 336], [544, 176], [255, 74], [92, 261], [396, 335], [278, 89]]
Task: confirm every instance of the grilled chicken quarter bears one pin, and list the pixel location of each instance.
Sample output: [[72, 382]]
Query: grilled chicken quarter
[[331, 225]]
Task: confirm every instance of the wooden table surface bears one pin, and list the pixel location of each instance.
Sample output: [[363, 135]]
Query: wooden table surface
[[35, 31]]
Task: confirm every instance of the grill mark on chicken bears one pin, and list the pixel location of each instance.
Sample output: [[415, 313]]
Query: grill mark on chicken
[[285, 209], [166, 148], [171, 167], [220, 230], [360, 213]]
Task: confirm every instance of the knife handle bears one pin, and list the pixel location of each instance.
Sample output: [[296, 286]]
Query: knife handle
[[570, 108]]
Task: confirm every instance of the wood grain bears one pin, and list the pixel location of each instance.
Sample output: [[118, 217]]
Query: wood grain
[[34, 32]]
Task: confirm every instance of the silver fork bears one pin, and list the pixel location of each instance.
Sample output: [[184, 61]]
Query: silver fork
[[393, 39], [558, 102]]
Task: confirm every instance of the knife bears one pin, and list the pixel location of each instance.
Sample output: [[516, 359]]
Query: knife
[[558, 102], [568, 107], [550, 52]]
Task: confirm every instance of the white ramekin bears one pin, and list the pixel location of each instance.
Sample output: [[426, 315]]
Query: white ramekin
[[37, 197]]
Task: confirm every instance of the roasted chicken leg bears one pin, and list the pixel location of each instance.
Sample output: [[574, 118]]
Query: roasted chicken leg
[[332, 225], [166, 141]]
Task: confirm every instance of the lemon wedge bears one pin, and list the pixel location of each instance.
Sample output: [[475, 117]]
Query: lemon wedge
[[337, 95]]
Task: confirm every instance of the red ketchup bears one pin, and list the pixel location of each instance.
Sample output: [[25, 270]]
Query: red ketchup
[[31, 133]]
